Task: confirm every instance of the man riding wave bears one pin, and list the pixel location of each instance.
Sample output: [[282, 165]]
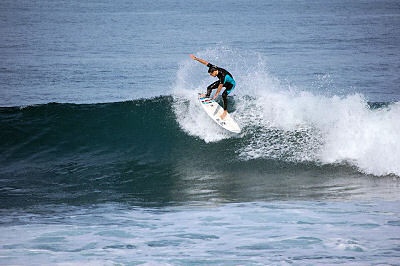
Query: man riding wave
[[225, 79]]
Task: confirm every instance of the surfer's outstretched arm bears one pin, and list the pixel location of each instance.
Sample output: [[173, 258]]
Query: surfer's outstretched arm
[[198, 59]]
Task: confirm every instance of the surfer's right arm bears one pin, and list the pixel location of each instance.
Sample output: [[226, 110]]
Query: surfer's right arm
[[199, 59]]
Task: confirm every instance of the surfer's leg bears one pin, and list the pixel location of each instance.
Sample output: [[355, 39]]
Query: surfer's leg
[[225, 99], [229, 87], [211, 87]]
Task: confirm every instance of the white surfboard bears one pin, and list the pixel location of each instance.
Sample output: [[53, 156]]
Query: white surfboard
[[214, 110]]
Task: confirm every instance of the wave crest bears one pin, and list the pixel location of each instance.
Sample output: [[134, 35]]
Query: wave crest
[[286, 123]]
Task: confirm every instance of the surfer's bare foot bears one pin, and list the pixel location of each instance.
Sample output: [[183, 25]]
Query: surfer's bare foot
[[202, 95], [224, 114]]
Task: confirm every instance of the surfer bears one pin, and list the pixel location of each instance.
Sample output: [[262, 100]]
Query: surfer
[[225, 79]]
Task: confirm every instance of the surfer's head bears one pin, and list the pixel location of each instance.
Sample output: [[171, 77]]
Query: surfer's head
[[213, 71]]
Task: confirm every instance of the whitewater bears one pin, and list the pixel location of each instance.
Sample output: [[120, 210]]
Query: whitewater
[[290, 123]]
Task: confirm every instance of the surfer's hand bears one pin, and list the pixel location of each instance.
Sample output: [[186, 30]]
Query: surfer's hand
[[215, 97], [192, 56]]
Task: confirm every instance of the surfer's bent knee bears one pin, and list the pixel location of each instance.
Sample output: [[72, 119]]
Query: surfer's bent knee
[[210, 87]]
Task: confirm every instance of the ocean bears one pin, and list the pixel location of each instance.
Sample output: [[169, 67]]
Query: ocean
[[107, 158]]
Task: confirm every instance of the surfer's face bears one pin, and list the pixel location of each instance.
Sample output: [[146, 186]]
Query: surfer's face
[[214, 73]]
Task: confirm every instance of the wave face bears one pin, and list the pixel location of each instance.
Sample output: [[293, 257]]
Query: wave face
[[150, 151], [297, 129], [141, 130], [282, 122]]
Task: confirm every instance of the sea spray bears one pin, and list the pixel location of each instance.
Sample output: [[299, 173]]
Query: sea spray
[[291, 124]]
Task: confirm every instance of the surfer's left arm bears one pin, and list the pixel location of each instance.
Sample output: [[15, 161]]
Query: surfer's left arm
[[218, 90]]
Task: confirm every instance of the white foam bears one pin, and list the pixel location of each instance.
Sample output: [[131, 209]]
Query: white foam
[[369, 139], [284, 122], [195, 121]]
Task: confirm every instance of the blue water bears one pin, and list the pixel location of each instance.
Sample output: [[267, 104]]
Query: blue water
[[107, 159]]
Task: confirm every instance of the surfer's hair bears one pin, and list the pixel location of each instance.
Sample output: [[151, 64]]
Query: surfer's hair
[[211, 69]]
